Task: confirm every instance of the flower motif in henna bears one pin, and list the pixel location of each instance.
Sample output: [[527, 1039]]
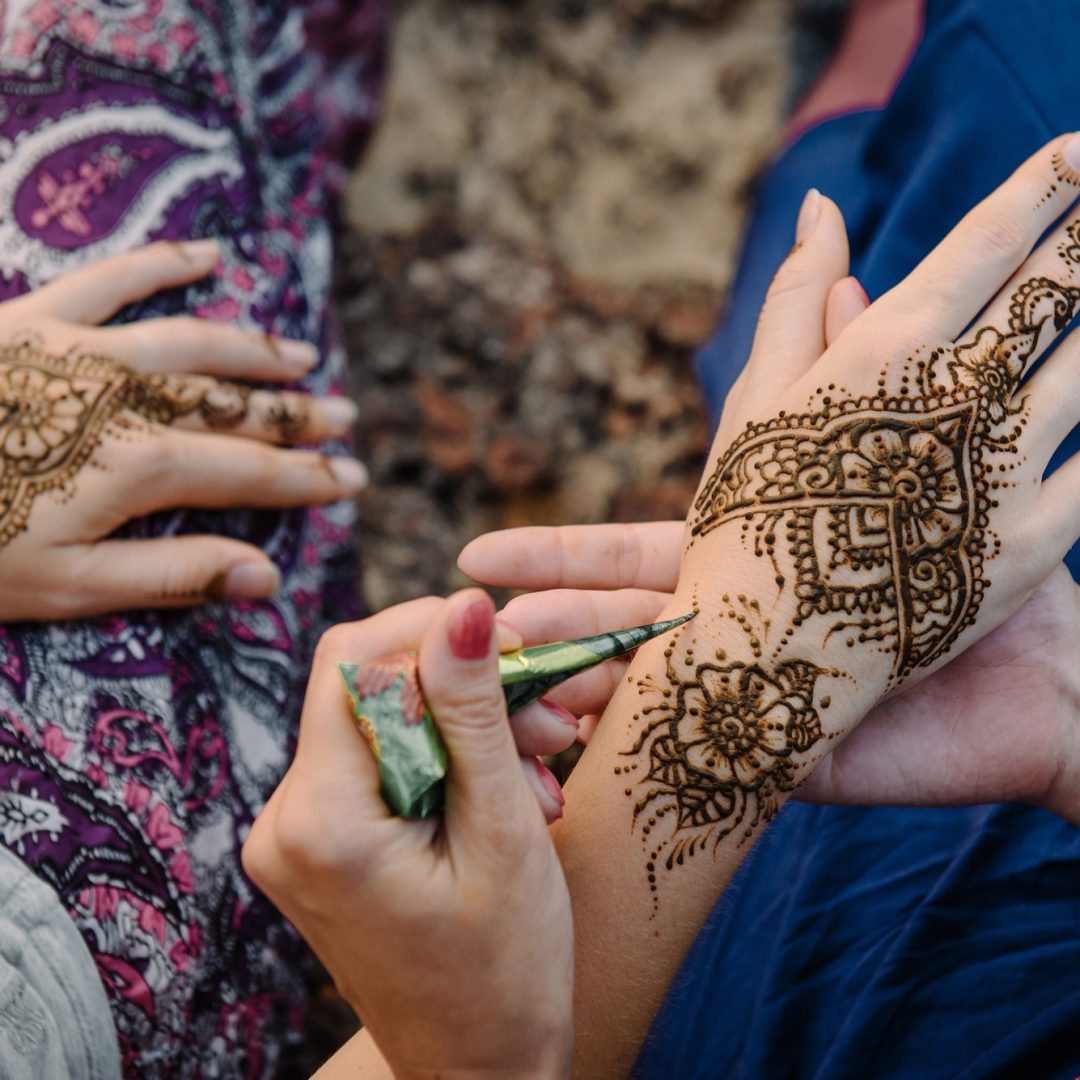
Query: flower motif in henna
[[918, 471], [722, 741], [43, 412]]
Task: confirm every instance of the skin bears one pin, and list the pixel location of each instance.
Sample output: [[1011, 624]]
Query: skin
[[102, 424], [471, 891]]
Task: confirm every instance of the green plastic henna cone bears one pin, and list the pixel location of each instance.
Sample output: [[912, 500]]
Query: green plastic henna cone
[[391, 713]]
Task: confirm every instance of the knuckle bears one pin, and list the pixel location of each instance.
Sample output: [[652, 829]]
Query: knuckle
[[157, 460], [334, 645], [303, 842], [999, 235]]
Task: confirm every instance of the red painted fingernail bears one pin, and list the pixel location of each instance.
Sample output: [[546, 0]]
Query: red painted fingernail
[[550, 784], [564, 716], [471, 628]]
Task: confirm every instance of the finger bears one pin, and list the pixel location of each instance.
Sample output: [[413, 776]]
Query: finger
[[1058, 521], [98, 291], [184, 344], [1053, 396], [558, 614], [199, 403], [329, 745], [591, 690], [160, 469], [169, 572], [791, 331], [645, 556], [951, 285], [545, 787], [587, 726], [460, 682], [847, 300], [543, 727]]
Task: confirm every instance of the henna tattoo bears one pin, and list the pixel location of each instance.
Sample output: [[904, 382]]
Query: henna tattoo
[[722, 740], [164, 399], [874, 513], [881, 503], [55, 411]]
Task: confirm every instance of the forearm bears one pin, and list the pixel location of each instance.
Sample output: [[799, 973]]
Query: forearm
[[661, 810]]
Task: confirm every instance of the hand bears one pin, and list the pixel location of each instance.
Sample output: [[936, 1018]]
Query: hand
[[999, 723], [451, 937], [98, 427]]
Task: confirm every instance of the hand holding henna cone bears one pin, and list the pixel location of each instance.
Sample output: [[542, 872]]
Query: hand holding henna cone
[[390, 712]]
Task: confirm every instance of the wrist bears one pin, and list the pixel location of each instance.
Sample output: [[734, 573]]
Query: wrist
[[1062, 796]]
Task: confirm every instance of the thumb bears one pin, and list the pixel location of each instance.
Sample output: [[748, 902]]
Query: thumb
[[459, 677], [791, 332], [172, 572]]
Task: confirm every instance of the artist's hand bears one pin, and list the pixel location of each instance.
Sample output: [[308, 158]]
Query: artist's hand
[[102, 424], [1000, 723], [451, 937]]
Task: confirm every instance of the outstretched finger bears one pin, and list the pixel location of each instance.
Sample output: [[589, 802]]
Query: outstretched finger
[[188, 345], [98, 291], [200, 403], [645, 556], [168, 572], [558, 614], [161, 468]]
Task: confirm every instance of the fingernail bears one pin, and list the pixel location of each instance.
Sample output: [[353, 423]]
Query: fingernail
[[564, 716], [298, 355], [246, 581], [471, 628], [340, 413], [809, 213], [510, 638], [200, 250], [349, 473], [548, 781], [1071, 152], [860, 291]]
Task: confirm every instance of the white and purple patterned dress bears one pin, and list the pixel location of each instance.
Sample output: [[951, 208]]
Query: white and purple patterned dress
[[135, 751]]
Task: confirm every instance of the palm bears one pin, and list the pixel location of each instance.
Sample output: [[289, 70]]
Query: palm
[[990, 726]]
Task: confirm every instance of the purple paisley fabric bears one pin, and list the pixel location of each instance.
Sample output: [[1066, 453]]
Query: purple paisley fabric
[[135, 751]]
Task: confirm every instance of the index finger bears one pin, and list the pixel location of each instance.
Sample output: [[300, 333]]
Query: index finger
[[621, 556]]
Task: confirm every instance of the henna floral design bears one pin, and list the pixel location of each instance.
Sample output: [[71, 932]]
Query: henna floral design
[[55, 411]]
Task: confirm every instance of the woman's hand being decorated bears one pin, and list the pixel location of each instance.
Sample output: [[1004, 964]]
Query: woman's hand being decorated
[[103, 424]]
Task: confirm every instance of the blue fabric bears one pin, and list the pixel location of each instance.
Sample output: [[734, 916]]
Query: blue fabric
[[897, 943]]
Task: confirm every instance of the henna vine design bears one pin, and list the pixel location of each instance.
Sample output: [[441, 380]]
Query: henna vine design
[[56, 410]]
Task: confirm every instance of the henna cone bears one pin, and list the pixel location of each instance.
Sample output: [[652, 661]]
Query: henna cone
[[390, 711]]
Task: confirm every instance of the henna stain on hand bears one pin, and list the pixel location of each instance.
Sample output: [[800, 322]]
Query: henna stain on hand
[[56, 410]]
